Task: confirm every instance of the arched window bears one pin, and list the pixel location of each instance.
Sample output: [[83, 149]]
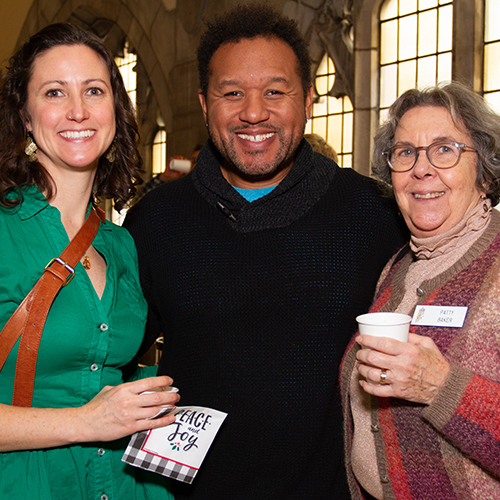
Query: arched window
[[159, 152], [416, 42], [332, 118], [491, 78], [126, 65]]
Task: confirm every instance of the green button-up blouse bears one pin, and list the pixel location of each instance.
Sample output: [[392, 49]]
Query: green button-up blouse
[[85, 344]]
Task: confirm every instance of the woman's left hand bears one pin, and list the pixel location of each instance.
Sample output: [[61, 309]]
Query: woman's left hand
[[414, 370]]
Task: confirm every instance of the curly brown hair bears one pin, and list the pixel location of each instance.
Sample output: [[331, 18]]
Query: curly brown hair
[[251, 21], [115, 180]]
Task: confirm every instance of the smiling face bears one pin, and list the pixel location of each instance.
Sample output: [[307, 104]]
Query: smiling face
[[431, 200], [70, 108], [256, 110]]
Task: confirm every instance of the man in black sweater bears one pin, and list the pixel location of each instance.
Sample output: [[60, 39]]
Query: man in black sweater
[[255, 266]]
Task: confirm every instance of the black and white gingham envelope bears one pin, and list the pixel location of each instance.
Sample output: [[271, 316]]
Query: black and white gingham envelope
[[134, 455], [177, 450]]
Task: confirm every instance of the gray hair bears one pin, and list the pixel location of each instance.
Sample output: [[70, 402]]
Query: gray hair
[[468, 110]]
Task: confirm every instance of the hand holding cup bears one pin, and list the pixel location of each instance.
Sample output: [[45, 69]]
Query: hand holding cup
[[411, 368]]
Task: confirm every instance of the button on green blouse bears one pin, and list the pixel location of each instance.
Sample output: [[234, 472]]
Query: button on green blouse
[[85, 344]]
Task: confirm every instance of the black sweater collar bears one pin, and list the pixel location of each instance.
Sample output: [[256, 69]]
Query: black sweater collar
[[306, 182]]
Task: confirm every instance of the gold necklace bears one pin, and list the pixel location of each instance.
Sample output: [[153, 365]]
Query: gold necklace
[[86, 262]]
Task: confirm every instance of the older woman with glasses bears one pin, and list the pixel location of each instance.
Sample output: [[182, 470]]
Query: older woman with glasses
[[422, 418]]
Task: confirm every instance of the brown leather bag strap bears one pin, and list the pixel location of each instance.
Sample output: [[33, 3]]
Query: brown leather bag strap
[[28, 319]]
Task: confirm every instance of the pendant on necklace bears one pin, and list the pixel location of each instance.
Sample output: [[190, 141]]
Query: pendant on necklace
[[86, 262]]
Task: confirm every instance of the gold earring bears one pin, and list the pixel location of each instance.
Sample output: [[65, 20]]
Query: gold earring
[[31, 148], [110, 155], [485, 204]]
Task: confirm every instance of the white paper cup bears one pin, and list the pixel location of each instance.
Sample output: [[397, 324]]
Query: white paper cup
[[180, 165], [169, 388], [165, 408], [385, 324]]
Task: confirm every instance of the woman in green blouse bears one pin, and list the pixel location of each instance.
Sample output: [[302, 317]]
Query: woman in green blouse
[[68, 136]]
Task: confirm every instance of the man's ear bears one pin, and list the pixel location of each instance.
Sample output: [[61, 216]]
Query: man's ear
[[203, 103], [309, 102]]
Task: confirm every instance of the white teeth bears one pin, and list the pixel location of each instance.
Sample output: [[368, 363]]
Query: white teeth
[[78, 135], [256, 138], [428, 196]]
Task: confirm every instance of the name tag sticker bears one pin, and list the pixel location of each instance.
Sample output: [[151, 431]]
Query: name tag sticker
[[453, 316]]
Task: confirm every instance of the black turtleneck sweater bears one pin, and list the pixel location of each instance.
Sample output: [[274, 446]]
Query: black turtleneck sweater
[[257, 302]]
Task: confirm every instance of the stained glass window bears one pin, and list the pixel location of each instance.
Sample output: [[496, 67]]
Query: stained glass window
[[491, 78], [415, 46], [126, 66], [332, 118]]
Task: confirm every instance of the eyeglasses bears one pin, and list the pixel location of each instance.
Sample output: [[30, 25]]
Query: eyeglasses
[[439, 154]]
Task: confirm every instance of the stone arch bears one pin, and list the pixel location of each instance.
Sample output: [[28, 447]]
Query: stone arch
[[145, 25], [326, 25]]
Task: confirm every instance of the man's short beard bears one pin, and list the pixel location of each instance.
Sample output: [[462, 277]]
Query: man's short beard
[[228, 152], [242, 170]]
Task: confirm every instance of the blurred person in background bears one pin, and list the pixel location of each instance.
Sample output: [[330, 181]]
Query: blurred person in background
[[321, 146]]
